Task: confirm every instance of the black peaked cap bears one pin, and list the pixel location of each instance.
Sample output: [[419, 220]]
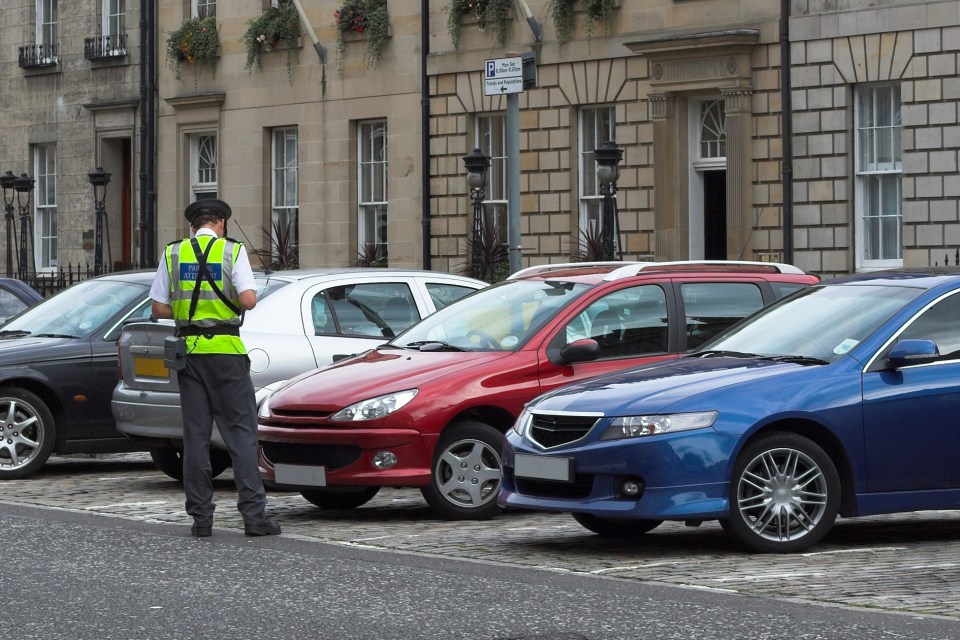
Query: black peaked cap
[[218, 208]]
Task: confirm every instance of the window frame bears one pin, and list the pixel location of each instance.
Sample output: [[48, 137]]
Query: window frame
[[113, 18], [47, 27], [491, 139], [45, 234], [284, 189], [203, 8], [203, 188], [863, 176], [590, 209], [372, 184]]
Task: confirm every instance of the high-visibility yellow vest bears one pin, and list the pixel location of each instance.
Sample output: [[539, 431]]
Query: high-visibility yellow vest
[[183, 268]]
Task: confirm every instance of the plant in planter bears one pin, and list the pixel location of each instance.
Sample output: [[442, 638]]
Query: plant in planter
[[276, 27], [371, 254], [196, 42], [494, 13], [283, 252], [368, 18], [597, 11]]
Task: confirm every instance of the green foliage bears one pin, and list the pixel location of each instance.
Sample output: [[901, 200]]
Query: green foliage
[[196, 42], [495, 13], [277, 26], [371, 254], [489, 255], [368, 18], [283, 252], [597, 12]]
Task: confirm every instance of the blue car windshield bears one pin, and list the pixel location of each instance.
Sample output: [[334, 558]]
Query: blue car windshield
[[500, 318], [78, 310], [822, 322]]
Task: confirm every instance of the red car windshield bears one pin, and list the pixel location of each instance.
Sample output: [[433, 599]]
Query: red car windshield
[[501, 318]]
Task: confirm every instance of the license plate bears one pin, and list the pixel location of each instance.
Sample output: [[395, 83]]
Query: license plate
[[150, 368], [300, 475], [543, 467]]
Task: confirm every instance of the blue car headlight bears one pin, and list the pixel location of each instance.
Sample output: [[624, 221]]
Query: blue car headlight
[[374, 408], [640, 426]]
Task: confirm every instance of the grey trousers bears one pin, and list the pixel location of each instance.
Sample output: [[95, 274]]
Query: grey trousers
[[218, 388]]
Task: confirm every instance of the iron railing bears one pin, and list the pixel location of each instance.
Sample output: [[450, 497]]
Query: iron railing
[[38, 55], [108, 46], [47, 283], [946, 259]]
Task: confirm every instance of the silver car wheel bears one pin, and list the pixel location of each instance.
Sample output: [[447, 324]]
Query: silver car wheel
[[782, 495], [27, 433], [468, 473]]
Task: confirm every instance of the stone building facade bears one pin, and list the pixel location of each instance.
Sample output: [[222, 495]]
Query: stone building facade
[[71, 79], [338, 160]]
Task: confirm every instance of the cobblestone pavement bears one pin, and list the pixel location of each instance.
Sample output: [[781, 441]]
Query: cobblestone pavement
[[906, 563]]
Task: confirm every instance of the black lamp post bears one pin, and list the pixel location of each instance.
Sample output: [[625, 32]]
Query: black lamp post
[[99, 179], [608, 158], [24, 186], [477, 165], [6, 183]]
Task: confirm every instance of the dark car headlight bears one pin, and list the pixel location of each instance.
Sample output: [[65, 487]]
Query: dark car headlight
[[640, 426]]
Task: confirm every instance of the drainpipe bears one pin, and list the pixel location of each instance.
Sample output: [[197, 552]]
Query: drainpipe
[[425, 131], [786, 129], [148, 129]]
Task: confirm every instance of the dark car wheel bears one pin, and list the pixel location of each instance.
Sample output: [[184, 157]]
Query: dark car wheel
[[170, 461], [467, 472], [616, 527], [28, 433], [784, 494], [340, 497]]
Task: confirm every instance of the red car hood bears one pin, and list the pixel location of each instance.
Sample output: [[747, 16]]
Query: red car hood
[[372, 374]]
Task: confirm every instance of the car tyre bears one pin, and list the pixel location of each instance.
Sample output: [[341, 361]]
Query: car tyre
[[340, 498], [28, 433], [616, 527], [170, 461], [784, 494], [467, 472]]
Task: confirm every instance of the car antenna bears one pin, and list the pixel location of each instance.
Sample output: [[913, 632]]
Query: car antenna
[[267, 270]]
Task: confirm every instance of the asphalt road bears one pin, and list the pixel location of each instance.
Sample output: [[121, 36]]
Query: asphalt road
[[84, 576], [100, 548]]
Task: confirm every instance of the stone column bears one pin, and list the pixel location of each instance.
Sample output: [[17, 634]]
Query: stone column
[[670, 231], [736, 106]]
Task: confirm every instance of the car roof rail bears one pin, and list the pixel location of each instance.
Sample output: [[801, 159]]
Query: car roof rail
[[745, 266], [560, 266]]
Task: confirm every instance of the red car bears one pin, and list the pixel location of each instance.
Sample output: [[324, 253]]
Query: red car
[[429, 408]]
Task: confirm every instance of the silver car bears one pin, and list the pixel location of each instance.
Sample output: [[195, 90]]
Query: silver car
[[304, 319]]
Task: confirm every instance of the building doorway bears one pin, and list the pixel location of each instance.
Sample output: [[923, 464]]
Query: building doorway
[[715, 215], [119, 238], [707, 216]]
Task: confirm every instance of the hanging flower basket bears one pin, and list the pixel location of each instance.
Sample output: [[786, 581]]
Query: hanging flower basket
[[277, 28], [497, 14], [368, 19], [598, 12], [197, 42]]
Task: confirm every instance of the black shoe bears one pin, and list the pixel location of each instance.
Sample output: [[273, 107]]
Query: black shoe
[[265, 528], [201, 530]]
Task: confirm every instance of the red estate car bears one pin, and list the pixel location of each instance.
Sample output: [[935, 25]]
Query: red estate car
[[429, 408]]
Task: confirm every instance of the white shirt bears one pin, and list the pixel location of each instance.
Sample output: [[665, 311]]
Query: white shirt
[[241, 275]]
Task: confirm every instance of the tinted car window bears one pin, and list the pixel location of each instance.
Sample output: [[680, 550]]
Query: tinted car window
[[444, 294], [368, 309], [940, 323], [712, 307], [628, 322], [10, 304], [783, 289]]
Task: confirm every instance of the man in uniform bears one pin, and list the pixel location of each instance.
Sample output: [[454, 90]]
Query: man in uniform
[[205, 284]]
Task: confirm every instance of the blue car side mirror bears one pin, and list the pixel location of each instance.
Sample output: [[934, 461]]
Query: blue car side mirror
[[912, 352]]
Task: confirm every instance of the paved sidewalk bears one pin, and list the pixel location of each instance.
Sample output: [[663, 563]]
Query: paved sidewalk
[[907, 562]]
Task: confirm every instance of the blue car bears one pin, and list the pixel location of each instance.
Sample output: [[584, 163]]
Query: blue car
[[842, 399]]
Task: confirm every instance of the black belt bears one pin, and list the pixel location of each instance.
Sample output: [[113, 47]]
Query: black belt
[[209, 332]]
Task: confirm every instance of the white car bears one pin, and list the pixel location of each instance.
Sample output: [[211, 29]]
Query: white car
[[304, 319]]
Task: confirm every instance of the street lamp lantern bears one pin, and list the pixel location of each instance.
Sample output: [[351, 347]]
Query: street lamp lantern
[[99, 179], [23, 185], [477, 165], [6, 183], [608, 158]]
